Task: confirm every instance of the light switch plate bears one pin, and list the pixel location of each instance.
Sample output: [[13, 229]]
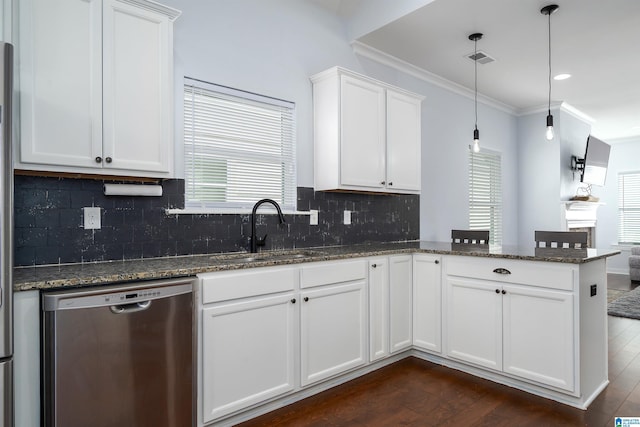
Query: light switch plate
[[91, 218], [347, 217], [313, 217]]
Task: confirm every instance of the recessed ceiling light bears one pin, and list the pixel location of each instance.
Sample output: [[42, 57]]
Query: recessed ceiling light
[[562, 77]]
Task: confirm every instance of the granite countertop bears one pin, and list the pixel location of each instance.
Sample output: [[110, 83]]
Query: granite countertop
[[104, 273]]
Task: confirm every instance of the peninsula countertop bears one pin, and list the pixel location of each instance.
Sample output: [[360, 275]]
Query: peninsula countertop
[[109, 272]]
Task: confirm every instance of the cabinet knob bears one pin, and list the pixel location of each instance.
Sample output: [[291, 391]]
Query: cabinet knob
[[390, 183], [497, 291], [437, 261], [98, 159], [306, 299], [504, 292], [501, 271], [374, 265], [293, 301], [108, 159], [382, 182]]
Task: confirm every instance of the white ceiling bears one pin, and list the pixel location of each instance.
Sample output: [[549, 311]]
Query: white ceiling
[[596, 41]]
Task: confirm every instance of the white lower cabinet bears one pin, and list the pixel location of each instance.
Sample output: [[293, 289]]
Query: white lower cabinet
[[427, 302], [258, 326], [400, 303], [378, 308], [538, 335], [522, 330], [333, 319], [247, 342], [248, 353]]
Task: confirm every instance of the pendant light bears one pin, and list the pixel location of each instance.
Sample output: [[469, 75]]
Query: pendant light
[[476, 133], [548, 10]]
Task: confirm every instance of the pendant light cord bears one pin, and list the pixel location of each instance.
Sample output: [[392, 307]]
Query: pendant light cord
[[475, 73], [549, 105]]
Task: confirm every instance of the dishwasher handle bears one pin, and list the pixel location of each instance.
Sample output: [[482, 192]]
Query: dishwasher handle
[[130, 308]]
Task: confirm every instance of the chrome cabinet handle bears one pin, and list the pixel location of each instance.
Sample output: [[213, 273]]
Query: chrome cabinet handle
[[108, 159], [130, 308], [98, 159], [501, 271]]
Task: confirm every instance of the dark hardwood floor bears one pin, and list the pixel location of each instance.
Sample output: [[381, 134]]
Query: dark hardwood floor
[[413, 392]]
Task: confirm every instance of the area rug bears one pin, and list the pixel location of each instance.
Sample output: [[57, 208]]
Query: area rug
[[627, 305]]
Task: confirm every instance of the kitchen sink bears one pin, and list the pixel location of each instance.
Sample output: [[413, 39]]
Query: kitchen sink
[[264, 256]]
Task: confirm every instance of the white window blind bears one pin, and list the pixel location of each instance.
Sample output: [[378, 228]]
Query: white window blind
[[485, 194], [629, 207], [239, 147]]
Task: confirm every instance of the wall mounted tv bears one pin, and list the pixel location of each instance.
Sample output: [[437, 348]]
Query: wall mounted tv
[[593, 168]]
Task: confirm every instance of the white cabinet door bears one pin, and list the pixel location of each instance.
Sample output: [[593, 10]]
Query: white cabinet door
[[403, 141], [96, 87], [400, 302], [60, 82], [333, 330], [247, 352], [137, 88], [538, 335], [427, 302], [362, 127], [378, 308], [474, 322]]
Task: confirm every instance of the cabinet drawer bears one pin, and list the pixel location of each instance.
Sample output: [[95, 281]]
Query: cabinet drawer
[[326, 273], [535, 273], [230, 285]]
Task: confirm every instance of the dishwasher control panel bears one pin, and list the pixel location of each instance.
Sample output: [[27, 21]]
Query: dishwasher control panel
[[119, 295]]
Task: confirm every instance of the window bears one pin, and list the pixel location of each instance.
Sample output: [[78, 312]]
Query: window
[[629, 207], [239, 147], [485, 194]]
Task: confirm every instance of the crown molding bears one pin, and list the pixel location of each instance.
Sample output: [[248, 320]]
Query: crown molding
[[558, 105], [374, 54], [624, 140], [155, 7]]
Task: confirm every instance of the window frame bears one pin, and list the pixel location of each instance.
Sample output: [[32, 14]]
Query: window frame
[[284, 115], [634, 196], [494, 204]]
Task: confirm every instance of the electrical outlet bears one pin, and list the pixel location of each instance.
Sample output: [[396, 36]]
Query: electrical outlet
[[594, 290], [313, 217], [347, 217], [91, 218]]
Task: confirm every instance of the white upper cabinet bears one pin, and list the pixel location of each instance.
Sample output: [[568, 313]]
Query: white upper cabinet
[[366, 134], [96, 87]]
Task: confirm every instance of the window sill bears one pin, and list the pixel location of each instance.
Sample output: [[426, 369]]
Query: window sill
[[230, 211]]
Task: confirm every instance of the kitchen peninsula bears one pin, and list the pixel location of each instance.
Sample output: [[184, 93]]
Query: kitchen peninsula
[[534, 319]]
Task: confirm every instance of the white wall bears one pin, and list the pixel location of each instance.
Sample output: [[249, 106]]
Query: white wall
[[273, 47], [545, 176], [623, 158], [268, 47], [539, 177]]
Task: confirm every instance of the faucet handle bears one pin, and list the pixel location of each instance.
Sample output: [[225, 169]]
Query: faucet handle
[[261, 241]]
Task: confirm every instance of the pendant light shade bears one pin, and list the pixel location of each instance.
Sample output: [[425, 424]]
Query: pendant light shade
[[476, 133], [548, 10]]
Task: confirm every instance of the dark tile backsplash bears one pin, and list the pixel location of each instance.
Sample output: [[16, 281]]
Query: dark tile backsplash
[[49, 217]]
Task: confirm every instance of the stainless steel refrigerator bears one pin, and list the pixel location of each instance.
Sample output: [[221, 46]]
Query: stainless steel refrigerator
[[6, 237]]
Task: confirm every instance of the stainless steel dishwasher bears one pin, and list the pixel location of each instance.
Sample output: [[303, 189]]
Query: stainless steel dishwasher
[[119, 356]]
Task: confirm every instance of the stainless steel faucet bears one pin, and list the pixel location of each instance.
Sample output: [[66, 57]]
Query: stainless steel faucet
[[255, 240]]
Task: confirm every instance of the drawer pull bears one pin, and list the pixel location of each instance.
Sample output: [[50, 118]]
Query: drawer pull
[[501, 271]]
